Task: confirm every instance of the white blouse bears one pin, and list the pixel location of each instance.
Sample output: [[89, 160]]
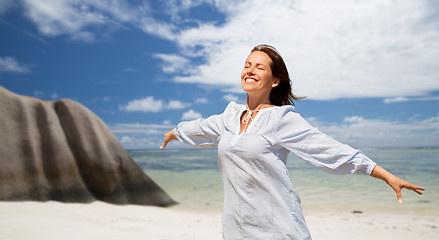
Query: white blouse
[[260, 201]]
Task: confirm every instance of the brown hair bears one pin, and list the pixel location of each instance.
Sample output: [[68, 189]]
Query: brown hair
[[281, 94]]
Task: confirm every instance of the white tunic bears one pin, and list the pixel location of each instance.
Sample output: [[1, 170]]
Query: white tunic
[[260, 201]]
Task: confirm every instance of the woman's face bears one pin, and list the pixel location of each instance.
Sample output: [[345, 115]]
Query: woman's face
[[256, 77]]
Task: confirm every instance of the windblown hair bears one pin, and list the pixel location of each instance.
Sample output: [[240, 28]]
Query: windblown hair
[[281, 94]]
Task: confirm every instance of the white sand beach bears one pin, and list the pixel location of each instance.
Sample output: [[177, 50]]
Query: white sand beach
[[98, 220]]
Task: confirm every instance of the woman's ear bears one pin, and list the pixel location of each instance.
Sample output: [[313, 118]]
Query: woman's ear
[[276, 82]]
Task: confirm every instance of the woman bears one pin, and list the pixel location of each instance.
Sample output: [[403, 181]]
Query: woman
[[253, 142]]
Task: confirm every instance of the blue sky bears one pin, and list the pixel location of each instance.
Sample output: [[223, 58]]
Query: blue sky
[[369, 69]]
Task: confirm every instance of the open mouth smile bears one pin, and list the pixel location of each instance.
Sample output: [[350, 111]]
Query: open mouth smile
[[250, 80]]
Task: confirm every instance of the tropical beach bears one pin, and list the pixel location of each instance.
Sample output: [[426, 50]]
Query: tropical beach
[[90, 90], [335, 207]]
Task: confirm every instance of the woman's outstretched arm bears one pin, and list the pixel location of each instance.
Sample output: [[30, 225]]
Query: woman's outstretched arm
[[394, 182]]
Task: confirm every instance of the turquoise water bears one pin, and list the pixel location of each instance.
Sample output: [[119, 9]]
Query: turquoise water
[[193, 179]]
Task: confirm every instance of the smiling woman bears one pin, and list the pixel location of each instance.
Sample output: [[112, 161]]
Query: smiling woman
[[253, 142], [257, 78]]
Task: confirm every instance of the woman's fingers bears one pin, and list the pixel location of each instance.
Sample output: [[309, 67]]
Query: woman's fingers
[[408, 186], [418, 192], [398, 195], [415, 188]]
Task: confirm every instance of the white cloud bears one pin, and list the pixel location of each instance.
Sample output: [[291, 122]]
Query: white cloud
[[57, 17], [407, 99], [148, 104], [101, 99], [201, 100], [353, 119], [54, 96], [129, 69], [140, 142], [81, 19], [173, 63], [230, 97], [395, 99], [38, 94], [151, 26], [337, 49], [143, 135], [361, 132], [9, 64], [175, 104], [135, 128], [191, 115], [126, 140]]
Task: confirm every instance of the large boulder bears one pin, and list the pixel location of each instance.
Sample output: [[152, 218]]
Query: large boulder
[[62, 151]]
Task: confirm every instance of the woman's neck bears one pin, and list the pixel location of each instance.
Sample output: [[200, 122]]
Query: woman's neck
[[258, 103]]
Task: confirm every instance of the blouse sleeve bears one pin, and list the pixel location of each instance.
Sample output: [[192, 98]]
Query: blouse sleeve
[[317, 148], [203, 133]]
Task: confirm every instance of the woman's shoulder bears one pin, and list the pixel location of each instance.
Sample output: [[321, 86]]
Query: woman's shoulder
[[281, 111], [234, 107], [287, 114]]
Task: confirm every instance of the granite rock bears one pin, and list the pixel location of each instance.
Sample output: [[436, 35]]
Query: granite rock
[[62, 151]]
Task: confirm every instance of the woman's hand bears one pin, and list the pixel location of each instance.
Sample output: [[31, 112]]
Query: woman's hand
[[394, 182], [397, 184], [169, 136]]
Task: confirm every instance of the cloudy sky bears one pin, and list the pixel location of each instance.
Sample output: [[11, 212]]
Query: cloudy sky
[[369, 69]]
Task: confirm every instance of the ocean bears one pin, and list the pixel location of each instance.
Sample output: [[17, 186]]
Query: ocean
[[192, 178]]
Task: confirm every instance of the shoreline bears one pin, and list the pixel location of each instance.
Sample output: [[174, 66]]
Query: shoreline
[[96, 220], [312, 209]]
